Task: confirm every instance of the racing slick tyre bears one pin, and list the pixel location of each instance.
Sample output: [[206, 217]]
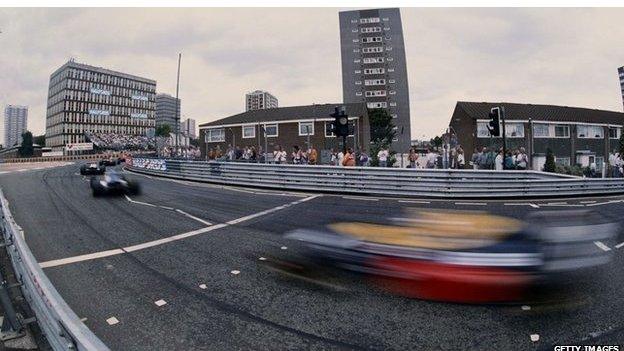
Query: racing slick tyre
[[134, 188], [96, 187]]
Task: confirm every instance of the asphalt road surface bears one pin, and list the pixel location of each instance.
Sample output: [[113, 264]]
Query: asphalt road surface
[[179, 267]]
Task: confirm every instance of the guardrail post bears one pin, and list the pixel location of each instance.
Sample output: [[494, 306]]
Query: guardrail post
[[11, 326]]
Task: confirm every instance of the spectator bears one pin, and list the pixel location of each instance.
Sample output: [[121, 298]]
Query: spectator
[[499, 161], [279, 155], [509, 161], [412, 158], [296, 155], [349, 159], [304, 157], [431, 159], [522, 160], [474, 160], [383, 155], [312, 156], [253, 155], [340, 158], [333, 158], [489, 159], [461, 162], [363, 159]]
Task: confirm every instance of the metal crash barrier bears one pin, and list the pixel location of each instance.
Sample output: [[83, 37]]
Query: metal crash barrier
[[60, 325], [395, 182]]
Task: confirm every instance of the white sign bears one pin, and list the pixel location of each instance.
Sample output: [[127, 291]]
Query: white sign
[[100, 91], [139, 97], [99, 112], [52, 153], [79, 146], [150, 163], [138, 115]]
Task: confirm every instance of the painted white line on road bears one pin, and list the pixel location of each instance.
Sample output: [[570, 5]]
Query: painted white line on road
[[112, 321], [619, 245], [139, 202], [555, 203], [562, 205], [471, 203], [83, 319], [534, 205], [262, 258], [160, 303], [520, 204], [415, 202], [604, 203], [95, 255], [526, 308], [360, 198], [535, 337], [588, 202], [284, 248], [167, 208], [602, 246], [193, 217], [203, 286], [235, 272]]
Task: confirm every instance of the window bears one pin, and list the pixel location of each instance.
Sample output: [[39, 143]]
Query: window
[[541, 130], [374, 71], [562, 131], [376, 104], [305, 128], [615, 132], [359, 93], [215, 135], [482, 130], [371, 29], [369, 20], [374, 82], [373, 60], [370, 40], [249, 132], [563, 161], [329, 126], [375, 93], [589, 132], [372, 49], [270, 130]]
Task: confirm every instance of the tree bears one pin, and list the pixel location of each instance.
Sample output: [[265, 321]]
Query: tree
[[550, 165], [436, 142], [39, 140], [163, 130], [26, 149], [382, 132]]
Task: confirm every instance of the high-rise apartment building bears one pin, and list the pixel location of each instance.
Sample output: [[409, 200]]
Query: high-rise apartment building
[[374, 67], [15, 124], [166, 110], [621, 74], [260, 100], [188, 128], [84, 98]]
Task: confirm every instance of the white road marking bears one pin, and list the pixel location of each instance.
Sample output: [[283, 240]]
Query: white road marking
[[471, 203], [167, 208], [95, 255], [563, 205], [534, 337], [602, 246], [83, 319], [360, 198], [235, 272], [193, 217], [262, 258], [520, 204], [534, 205], [283, 248], [112, 321], [160, 303], [3, 172], [619, 245], [588, 202], [415, 201], [139, 202], [22, 170], [203, 286], [604, 203], [526, 308], [556, 203]]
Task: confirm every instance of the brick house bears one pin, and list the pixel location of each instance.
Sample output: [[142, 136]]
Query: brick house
[[287, 127]]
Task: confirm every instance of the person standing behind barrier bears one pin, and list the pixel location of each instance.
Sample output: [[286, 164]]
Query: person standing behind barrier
[[474, 160], [412, 157], [363, 159], [349, 159], [522, 160], [498, 162], [312, 156], [431, 158], [340, 158], [461, 161], [296, 155], [382, 156], [333, 158], [509, 161]]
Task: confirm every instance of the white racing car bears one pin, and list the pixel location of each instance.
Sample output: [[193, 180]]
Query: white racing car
[[92, 169], [114, 184]]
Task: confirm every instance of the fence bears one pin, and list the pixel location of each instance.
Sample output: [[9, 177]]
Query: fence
[[61, 326], [435, 183], [56, 158]]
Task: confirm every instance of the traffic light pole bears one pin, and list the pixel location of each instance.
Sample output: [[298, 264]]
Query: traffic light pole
[[502, 115]]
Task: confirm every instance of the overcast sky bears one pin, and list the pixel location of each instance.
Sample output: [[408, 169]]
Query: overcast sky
[[552, 56]]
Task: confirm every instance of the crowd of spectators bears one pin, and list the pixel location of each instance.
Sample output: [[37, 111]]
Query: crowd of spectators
[[487, 158], [116, 141]]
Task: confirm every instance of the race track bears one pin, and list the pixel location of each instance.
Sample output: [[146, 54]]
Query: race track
[[179, 267]]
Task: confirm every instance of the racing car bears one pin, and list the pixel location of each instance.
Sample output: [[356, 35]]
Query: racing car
[[110, 161], [92, 169], [114, 183]]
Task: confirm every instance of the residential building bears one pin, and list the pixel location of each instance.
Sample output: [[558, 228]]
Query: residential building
[[15, 124], [575, 135], [84, 98], [621, 76], [166, 110], [259, 100], [374, 67], [189, 128], [287, 127]]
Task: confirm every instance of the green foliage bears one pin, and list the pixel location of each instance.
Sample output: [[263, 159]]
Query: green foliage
[[575, 170], [194, 142], [382, 133], [26, 149], [163, 130], [550, 165], [436, 142], [39, 140]]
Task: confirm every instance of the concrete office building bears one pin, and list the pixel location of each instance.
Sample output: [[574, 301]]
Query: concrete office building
[[15, 124], [259, 100], [374, 67], [166, 110], [575, 135], [188, 128], [621, 76], [84, 98]]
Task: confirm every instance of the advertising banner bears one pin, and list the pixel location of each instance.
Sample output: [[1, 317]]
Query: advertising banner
[[79, 147]]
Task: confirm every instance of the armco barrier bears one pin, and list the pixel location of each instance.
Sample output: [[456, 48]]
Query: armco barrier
[[56, 158], [382, 181], [61, 326]]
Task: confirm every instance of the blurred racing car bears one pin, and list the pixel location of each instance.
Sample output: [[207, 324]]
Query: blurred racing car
[[114, 183], [92, 169], [469, 257]]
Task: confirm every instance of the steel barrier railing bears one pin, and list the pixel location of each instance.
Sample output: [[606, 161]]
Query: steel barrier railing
[[381, 181], [60, 325]]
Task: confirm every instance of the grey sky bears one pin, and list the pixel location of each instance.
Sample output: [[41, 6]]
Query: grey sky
[[554, 56]]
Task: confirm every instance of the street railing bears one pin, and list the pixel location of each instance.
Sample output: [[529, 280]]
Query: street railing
[[382, 181], [60, 325]]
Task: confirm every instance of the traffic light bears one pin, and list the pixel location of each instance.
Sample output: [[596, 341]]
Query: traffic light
[[494, 124], [341, 122]]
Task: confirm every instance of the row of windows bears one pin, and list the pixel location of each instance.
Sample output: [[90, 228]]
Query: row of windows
[[367, 40], [371, 50], [546, 130], [373, 60], [370, 29], [271, 130], [375, 93], [370, 20], [110, 79], [100, 89], [374, 70]]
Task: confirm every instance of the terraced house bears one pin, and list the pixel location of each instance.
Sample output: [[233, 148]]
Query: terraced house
[[575, 135]]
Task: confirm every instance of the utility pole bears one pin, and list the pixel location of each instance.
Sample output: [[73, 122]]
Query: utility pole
[[531, 144], [177, 126], [502, 113]]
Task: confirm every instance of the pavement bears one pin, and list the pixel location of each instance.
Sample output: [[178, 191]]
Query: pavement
[[179, 267]]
